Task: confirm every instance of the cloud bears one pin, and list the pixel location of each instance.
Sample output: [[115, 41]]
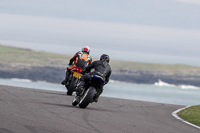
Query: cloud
[[139, 42], [190, 1], [118, 36], [93, 30]]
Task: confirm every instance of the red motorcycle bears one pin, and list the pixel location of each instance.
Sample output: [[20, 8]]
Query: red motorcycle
[[74, 79]]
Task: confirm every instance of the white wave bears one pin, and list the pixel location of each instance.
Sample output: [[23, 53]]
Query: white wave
[[114, 81], [187, 87], [161, 83], [21, 80]]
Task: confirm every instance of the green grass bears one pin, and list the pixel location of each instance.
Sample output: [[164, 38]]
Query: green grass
[[191, 114], [180, 69], [19, 56]]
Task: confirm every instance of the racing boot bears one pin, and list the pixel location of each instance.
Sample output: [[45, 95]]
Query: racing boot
[[64, 82], [97, 95], [80, 87]]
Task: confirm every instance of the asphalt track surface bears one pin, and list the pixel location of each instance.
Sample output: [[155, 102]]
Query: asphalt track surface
[[24, 110]]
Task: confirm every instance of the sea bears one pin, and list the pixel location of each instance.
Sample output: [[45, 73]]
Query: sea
[[122, 42], [159, 92]]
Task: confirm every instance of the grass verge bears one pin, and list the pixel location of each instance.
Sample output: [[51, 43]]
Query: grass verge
[[191, 114]]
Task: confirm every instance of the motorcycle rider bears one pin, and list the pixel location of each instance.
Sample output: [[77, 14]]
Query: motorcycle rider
[[80, 59], [101, 68]]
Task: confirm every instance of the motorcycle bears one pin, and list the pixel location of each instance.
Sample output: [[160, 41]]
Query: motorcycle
[[90, 92], [74, 78]]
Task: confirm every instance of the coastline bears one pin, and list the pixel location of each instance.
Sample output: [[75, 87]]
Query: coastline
[[56, 74], [44, 66]]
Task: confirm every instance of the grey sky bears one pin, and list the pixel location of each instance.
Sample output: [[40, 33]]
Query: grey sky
[[146, 12], [147, 29]]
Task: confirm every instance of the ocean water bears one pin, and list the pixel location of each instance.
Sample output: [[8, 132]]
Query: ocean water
[[159, 92]]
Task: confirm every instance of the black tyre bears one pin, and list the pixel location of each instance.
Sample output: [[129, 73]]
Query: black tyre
[[74, 102], [88, 97], [72, 86]]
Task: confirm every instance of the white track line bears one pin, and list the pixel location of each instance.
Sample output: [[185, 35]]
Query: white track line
[[177, 117]]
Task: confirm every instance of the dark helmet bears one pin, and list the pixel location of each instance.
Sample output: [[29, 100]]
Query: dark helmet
[[86, 49], [105, 57]]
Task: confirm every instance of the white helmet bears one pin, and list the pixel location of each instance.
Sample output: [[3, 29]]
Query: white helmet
[[86, 49]]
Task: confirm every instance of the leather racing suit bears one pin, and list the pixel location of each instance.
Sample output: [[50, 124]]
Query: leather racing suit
[[101, 68], [80, 59]]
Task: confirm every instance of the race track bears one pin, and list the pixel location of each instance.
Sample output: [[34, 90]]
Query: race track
[[24, 110]]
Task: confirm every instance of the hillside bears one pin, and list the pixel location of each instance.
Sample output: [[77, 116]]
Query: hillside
[[39, 65]]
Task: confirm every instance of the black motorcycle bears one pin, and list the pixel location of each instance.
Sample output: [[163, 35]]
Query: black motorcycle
[[74, 79], [90, 92]]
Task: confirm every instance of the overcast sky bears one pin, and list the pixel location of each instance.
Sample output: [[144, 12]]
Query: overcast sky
[[147, 30]]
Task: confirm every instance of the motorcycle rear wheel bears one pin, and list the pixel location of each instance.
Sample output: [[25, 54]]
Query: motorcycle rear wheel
[[72, 86], [88, 97]]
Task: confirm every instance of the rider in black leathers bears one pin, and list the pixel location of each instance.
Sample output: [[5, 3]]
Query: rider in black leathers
[[101, 68]]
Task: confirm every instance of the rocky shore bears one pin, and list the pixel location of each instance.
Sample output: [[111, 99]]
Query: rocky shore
[[150, 77], [56, 75], [43, 66]]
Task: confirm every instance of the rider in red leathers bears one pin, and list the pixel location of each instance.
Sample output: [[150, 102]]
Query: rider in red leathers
[[80, 59]]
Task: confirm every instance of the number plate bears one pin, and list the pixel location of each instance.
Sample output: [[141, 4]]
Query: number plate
[[77, 75]]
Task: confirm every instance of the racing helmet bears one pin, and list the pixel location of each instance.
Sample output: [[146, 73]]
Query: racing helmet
[[86, 49], [105, 57]]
